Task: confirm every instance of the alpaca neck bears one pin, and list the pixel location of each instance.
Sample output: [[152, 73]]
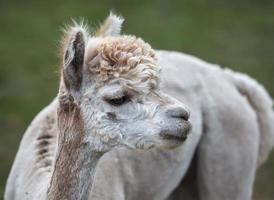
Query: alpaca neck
[[75, 163], [73, 174]]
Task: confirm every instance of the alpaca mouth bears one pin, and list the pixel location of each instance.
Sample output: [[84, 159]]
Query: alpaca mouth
[[173, 137], [178, 134]]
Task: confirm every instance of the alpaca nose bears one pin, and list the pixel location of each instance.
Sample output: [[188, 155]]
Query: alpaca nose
[[178, 112]]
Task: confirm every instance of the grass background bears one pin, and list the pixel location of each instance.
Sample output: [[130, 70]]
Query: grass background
[[234, 33]]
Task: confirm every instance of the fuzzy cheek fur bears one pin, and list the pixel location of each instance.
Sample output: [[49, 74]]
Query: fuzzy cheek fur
[[133, 125], [126, 126]]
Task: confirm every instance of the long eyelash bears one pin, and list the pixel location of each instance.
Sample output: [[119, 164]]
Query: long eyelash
[[118, 101]]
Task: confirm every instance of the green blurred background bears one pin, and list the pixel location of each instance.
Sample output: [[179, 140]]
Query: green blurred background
[[238, 34]]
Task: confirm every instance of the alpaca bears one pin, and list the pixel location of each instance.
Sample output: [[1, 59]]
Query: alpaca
[[232, 128], [108, 98]]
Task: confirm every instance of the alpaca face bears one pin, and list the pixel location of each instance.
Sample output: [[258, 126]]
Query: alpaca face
[[117, 115], [115, 83]]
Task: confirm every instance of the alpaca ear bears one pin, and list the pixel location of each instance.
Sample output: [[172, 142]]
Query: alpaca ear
[[73, 58], [111, 26]]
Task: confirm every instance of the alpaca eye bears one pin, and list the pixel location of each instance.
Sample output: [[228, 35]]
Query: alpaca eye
[[118, 101]]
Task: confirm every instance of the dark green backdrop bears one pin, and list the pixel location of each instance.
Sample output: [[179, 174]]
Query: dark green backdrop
[[234, 33]]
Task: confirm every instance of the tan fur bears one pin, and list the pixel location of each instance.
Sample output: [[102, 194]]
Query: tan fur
[[70, 140], [116, 56]]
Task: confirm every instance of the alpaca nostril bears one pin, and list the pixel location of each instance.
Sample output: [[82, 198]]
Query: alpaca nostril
[[178, 112]]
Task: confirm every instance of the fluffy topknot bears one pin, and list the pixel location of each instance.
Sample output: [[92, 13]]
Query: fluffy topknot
[[117, 56]]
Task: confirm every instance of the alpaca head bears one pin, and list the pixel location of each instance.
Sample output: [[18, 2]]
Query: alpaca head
[[114, 83]]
